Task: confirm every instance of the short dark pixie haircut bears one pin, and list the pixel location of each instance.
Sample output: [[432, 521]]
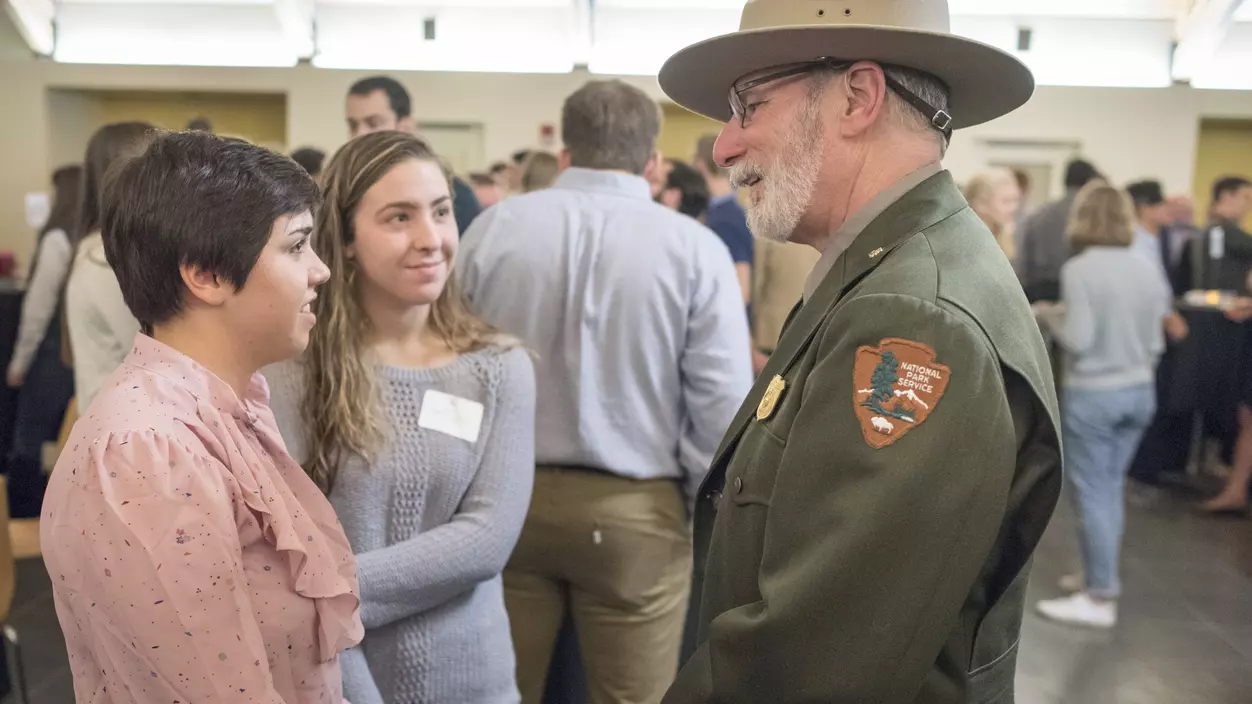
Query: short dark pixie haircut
[[195, 199]]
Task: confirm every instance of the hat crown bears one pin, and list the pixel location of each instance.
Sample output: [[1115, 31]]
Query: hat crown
[[925, 15]]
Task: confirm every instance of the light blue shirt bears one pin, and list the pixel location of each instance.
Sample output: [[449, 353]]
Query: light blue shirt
[[635, 314]]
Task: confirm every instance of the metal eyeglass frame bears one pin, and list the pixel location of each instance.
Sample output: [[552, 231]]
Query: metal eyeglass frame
[[939, 119]]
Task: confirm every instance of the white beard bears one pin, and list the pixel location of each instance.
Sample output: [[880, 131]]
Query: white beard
[[789, 182]]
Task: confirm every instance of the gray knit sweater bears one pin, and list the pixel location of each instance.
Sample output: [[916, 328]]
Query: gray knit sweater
[[432, 523]]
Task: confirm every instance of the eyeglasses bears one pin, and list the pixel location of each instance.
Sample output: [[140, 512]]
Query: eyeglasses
[[940, 120]]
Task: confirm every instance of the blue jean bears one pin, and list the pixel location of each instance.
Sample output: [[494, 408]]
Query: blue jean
[[1102, 429]]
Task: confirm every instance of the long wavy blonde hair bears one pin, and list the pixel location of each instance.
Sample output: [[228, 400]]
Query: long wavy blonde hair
[[341, 406]]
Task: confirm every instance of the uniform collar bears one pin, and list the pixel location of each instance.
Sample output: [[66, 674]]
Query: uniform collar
[[858, 221], [159, 358], [610, 182]]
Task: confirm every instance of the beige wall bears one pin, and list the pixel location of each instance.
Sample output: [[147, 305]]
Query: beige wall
[[1128, 133]]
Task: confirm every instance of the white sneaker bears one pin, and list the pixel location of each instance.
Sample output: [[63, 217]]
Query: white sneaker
[[1079, 610], [1072, 583]]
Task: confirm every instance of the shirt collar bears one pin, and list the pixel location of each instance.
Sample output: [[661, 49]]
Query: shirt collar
[[842, 238], [733, 196], [159, 358], [611, 182]]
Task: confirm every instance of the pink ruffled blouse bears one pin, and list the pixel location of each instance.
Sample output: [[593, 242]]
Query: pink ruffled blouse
[[192, 560]]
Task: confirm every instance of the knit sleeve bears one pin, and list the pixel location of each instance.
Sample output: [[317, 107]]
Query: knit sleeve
[[423, 572]]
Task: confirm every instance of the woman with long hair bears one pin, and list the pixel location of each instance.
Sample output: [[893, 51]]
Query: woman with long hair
[[101, 327], [418, 420], [36, 367], [996, 197], [192, 560], [1111, 330]]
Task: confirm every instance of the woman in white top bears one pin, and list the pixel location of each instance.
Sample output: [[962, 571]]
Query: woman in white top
[[46, 384], [101, 326]]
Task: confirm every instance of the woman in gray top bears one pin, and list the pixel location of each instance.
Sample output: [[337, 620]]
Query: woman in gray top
[[417, 419], [1112, 332]]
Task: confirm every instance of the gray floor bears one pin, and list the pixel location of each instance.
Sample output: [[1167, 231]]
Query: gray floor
[[1185, 635]]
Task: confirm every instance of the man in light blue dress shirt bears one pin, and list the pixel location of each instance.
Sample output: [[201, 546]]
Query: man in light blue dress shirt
[[1151, 216], [635, 316]]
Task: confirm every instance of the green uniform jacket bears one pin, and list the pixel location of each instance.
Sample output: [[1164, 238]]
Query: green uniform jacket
[[858, 543]]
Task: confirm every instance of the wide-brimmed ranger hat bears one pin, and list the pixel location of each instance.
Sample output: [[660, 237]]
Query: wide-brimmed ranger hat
[[983, 82]]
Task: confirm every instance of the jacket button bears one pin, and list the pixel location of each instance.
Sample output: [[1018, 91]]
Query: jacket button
[[738, 485]]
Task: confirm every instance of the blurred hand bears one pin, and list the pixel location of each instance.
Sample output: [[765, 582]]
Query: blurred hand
[[759, 360], [15, 380], [1176, 328], [1240, 311]]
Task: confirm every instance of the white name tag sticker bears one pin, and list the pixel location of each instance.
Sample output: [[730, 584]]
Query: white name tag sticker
[[452, 415]]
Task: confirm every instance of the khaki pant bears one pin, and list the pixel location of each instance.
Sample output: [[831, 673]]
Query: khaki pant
[[618, 551]]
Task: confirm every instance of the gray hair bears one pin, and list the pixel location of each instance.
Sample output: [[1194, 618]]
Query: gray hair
[[925, 86], [610, 125]]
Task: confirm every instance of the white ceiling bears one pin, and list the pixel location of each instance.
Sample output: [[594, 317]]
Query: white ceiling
[[1074, 42]]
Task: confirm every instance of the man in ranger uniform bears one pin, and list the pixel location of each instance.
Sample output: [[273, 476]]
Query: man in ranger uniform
[[866, 529]]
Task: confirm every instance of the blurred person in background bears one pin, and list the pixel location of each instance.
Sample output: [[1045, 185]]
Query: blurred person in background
[[101, 326], [200, 124], [726, 216], [539, 171], [1044, 247], [778, 277], [518, 158], [487, 189], [1109, 325], [685, 190], [1151, 218], [311, 159], [996, 197], [418, 421], [1232, 203], [380, 103], [637, 322], [46, 383], [1180, 231], [195, 561]]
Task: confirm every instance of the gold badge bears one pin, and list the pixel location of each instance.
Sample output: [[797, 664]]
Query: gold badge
[[769, 402], [898, 384]]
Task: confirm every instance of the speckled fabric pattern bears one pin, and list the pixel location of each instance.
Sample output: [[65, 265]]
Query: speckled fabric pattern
[[192, 559], [433, 521]]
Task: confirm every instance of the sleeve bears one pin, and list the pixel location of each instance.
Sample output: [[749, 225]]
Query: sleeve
[[43, 295], [163, 568], [716, 365], [358, 682], [425, 571], [868, 556], [465, 205], [1077, 332]]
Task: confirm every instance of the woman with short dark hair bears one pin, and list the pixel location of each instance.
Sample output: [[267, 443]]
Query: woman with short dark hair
[[192, 560]]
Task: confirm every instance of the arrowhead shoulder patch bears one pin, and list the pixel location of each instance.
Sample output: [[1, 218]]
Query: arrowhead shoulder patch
[[898, 385]]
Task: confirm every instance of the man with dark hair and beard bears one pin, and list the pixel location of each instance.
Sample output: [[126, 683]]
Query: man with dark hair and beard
[[866, 528]]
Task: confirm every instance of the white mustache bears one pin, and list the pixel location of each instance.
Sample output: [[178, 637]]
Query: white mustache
[[744, 172]]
